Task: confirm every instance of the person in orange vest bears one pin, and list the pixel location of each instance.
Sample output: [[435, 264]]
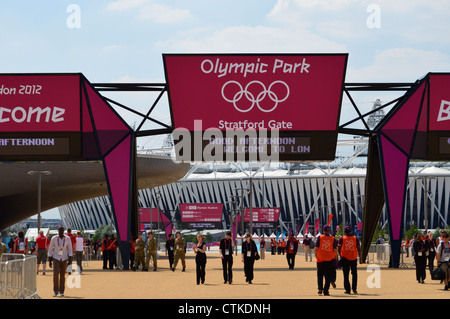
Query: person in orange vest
[[325, 252], [349, 249], [113, 244], [105, 251], [273, 246], [291, 250], [283, 246]]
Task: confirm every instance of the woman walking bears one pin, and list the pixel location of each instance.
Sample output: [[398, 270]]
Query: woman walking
[[200, 259], [249, 252]]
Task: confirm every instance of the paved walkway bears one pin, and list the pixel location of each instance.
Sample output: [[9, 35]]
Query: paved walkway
[[273, 280]]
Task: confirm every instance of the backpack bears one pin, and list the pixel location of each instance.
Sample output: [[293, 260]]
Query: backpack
[[312, 245]]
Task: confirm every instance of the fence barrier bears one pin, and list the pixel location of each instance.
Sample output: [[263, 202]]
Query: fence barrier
[[18, 276]]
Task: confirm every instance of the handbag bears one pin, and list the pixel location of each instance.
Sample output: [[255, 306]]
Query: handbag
[[257, 256], [437, 274]]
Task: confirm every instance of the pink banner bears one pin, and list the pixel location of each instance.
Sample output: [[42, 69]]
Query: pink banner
[[40, 103], [317, 226], [287, 92], [306, 230], [439, 109], [201, 212]]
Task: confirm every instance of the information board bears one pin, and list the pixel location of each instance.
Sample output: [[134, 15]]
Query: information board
[[201, 216]]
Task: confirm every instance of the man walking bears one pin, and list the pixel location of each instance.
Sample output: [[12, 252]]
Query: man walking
[[152, 248], [291, 250], [349, 249], [60, 252], [41, 251], [325, 252], [180, 246]]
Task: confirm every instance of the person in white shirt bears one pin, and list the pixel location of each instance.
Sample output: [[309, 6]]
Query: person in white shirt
[[79, 248], [59, 252], [443, 257]]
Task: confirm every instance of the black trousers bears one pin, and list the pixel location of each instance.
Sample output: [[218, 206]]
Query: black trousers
[[248, 268], [347, 266], [324, 271], [200, 269], [105, 256], [227, 264], [431, 256], [291, 260], [421, 264], [170, 254]]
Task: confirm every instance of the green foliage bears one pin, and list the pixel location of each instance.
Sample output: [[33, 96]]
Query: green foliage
[[380, 231], [101, 231]]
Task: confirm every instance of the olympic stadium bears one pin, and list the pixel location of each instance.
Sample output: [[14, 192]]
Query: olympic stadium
[[304, 191]]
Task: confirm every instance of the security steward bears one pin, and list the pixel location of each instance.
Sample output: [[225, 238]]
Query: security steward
[[349, 249], [152, 248], [105, 251], [325, 252]]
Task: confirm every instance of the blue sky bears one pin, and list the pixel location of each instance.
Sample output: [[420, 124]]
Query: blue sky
[[123, 40]]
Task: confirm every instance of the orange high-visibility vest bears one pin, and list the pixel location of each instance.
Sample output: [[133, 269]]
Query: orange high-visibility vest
[[348, 249], [326, 251]]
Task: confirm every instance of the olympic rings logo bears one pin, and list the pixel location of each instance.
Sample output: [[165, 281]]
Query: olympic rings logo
[[244, 92]]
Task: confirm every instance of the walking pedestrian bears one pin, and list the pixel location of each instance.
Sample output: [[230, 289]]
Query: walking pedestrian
[[200, 259], [349, 249], [112, 248], [262, 248], [139, 258], [226, 246], [21, 244], [41, 251], [443, 257], [431, 243], [170, 246], [249, 252], [79, 249], [105, 251], [152, 249], [325, 252], [420, 258], [180, 251], [291, 250], [60, 252]]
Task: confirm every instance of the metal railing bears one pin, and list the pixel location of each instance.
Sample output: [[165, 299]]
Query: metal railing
[[18, 276]]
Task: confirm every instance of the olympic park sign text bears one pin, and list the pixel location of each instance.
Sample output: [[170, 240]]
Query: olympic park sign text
[[245, 107]]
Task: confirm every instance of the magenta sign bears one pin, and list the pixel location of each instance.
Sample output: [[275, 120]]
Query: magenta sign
[[39, 103], [203, 215], [262, 217], [297, 95]]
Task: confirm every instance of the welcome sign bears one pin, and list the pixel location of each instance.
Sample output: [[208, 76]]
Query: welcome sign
[[40, 116], [286, 106]]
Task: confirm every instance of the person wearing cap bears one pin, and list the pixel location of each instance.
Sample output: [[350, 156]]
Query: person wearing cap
[[325, 252], [180, 251], [226, 254], [139, 257], [349, 249], [249, 252], [152, 247], [291, 250]]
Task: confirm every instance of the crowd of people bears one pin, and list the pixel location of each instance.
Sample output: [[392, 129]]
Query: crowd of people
[[330, 253]]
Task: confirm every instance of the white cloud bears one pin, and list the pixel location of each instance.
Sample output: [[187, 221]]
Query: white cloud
[[400, 64], [151, 10], [259, 39]]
